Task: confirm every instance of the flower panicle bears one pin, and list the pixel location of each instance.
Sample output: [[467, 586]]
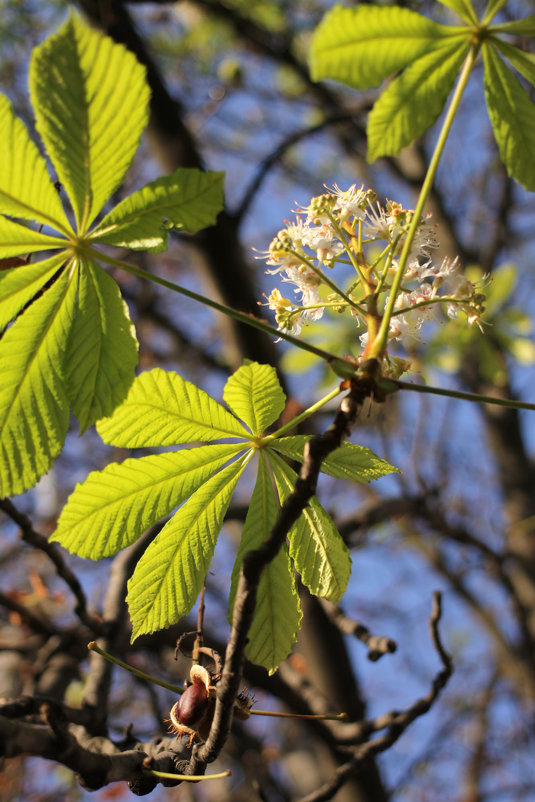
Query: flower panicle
[[350, 228]]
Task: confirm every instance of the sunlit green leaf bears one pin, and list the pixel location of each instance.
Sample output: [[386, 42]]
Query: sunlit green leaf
[[512, 114], [20, 284], [187, 200], [112, 507], [463, 8], [277, 614], [521, 61], [102, 348], [163, 409], [414, 100], [524, 27], [316, 547], [362, 46], [26, 189], [34, 412], [254, 394], [17, 239], [493, 6], [350, 461], [91, 99], [170, 575]]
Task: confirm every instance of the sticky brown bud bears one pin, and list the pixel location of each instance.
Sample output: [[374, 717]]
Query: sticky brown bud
[[192, 705]]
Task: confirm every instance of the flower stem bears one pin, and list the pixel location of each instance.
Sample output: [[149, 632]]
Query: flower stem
[[93, 647], [378, 345], [242, 317]]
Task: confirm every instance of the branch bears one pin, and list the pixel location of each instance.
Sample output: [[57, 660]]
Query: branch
[[39, 541], [115, 618], [378, 645], [271, 159], [33, 621], [96, 761], [397, 722]]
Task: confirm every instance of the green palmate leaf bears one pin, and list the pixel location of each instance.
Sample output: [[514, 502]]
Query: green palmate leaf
[[512, 115], [34, 413], [413, 101], [25, 187], [187, 200], [362, 46], [16, 239], [91, 103], [319, 553], [350, 461], [102, 347], [521, 61], [162, 409], [20, 284], [524, 27], [111, 508], [254, 394], [277, 614], [169, 576], [493, 6], [463, 8]]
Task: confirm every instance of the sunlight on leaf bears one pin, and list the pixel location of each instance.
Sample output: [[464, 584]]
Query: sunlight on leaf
[[113, 507], [254, 394], [277, 614], [170, 575], [162, 409], [91, 104]]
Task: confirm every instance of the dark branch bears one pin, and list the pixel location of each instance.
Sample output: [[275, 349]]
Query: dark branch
[[39, 541], [395, 722]]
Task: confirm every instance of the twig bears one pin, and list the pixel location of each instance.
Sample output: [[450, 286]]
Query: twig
[[115, 618], [378, 645], [32, 620], [39, 541], [398, 721]]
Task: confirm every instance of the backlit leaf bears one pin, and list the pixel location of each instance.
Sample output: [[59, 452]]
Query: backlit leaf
[[187, 200], [413, 101], [20, 284], [163, 409], [34, 412], [102, 348], [170, 575], [17, 239], [362, 46], [316, 547], [254, 394], [512, 114], [463, 8], [350, 461], [26, 189], [277, 614], [91, 99], [112, 507]]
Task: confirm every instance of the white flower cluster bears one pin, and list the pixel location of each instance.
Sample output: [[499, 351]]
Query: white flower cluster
[[349, 226]]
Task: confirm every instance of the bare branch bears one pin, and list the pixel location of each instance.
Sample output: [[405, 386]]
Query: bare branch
[[378, 645], [397, 722], [39, 541]]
